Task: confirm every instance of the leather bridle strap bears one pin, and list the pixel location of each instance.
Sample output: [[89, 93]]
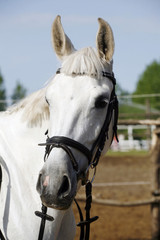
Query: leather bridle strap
[[64, 143], [52, 145], [98, 145], [43, 215], [85, 224]]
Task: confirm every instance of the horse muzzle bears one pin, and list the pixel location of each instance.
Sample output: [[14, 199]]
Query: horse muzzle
[[56, 190]]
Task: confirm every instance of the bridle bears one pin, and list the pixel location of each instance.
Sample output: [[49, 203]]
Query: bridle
[[93, 156], [94, 153]]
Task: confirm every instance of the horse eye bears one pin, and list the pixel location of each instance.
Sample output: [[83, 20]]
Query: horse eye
[[101, 102]]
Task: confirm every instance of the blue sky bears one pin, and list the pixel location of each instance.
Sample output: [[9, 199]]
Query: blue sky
[[26, 53]]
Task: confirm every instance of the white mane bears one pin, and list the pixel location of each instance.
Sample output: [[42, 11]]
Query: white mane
[[35, 109], [84, 61]]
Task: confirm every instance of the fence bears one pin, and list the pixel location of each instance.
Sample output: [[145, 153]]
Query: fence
[[154, 201], [139, 106], [133, 137]]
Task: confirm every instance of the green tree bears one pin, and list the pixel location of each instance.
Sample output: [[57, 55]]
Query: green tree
[[19, 92], [3, 103], [149, 82]]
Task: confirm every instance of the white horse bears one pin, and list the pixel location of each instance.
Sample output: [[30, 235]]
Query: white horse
[[73, 104]]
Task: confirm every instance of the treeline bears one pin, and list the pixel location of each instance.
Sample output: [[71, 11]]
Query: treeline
[[19, 92], [148, 84]]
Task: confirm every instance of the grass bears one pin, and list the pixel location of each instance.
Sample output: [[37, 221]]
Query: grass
[[126, 111], [128, 153]]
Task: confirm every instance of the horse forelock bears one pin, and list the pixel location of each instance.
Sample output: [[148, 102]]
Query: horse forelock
[[85, 61]]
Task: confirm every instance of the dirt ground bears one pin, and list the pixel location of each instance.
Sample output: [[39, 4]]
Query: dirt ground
[[121, 223]]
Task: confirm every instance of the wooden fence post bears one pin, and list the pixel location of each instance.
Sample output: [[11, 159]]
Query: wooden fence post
[[155, 206]]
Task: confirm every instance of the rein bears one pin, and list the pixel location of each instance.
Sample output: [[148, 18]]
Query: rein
[[85, 224]]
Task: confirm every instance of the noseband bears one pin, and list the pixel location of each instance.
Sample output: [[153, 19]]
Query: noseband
[[92, 156]]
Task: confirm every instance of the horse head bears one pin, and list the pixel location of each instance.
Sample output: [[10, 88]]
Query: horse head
[[79, 100]]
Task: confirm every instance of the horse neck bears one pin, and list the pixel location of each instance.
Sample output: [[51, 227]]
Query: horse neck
[[19, 140], [64, 226]]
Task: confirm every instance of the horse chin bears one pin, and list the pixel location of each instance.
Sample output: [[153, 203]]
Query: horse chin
[[58, 206]]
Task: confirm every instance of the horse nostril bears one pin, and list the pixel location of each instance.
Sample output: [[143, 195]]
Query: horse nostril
[[64, 188]]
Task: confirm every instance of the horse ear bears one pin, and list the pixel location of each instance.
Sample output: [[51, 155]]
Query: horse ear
[[61, 43], [105, 40]]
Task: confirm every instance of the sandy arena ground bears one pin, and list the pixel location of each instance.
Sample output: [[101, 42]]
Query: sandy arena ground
[[121, 223]]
